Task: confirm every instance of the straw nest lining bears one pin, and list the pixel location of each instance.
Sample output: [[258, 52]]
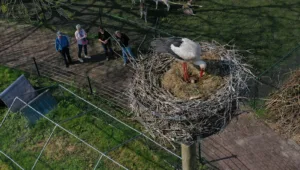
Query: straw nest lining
[[198, 88], [283, 108], [171, 118]]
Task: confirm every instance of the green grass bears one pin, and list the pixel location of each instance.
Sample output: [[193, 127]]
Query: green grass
[[258, 106], [23, 142], [269, 29], [8, 76], [266, 28]]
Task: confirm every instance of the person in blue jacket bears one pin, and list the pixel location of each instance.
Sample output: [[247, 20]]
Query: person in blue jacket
[[62, 46]]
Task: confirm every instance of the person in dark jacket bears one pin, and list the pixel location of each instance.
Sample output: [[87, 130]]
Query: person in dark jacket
[[124, 42], [104, 37], [62, 46]]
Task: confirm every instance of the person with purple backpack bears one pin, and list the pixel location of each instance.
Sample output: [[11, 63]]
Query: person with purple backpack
[[81, 37]]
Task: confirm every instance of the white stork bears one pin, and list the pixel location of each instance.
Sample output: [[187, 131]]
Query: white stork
[[183, 49], [163, 1]]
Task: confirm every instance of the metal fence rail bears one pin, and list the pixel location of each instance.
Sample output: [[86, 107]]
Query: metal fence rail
[[82, 82]]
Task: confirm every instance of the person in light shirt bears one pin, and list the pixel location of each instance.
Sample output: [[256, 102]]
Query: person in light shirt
[[81, 37]]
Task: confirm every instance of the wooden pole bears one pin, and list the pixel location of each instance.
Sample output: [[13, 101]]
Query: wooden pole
[[189, 157], [199, 149], [36, 67], [90, 85]]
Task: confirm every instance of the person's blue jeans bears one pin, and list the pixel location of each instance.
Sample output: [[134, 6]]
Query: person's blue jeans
[[126, 51], [80, 50], [106, 47]]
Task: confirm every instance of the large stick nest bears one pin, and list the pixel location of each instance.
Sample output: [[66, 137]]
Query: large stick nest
[[284, 107], [181, 120]]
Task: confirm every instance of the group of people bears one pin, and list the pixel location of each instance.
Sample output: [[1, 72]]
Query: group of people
[[62, 44]]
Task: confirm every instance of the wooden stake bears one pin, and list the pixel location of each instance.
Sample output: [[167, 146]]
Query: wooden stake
[[189, 157]]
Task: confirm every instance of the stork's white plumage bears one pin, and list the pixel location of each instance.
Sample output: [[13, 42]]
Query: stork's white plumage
[[164, 1], [188, 50], [183, 49]]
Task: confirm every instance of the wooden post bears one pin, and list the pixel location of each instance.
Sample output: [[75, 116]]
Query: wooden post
[[90, 85], [36, 67], [189, 157], [199, 149]]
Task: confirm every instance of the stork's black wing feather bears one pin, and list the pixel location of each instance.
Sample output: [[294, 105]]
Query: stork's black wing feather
[[176, 42], [163, 45]]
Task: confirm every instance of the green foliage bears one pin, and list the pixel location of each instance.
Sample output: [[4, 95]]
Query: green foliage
[[165, 20], [8, 76], [3, 163], [259, 108], [41, 17], [58, 3], [70, 15], [4, 8], [261, 113], [93, 36]]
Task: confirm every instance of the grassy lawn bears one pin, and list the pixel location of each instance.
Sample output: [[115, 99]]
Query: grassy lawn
[[23, 142], [268, 29]]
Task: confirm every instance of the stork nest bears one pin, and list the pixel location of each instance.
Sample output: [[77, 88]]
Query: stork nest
[[173, 118], [196, 87], [283, 108]]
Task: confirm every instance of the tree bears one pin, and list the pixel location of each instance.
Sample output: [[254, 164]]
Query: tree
[[38, 10]]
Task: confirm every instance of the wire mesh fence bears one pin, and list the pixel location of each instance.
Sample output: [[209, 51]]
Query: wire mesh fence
[[274, 77], [78, 135], [101, 89]]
